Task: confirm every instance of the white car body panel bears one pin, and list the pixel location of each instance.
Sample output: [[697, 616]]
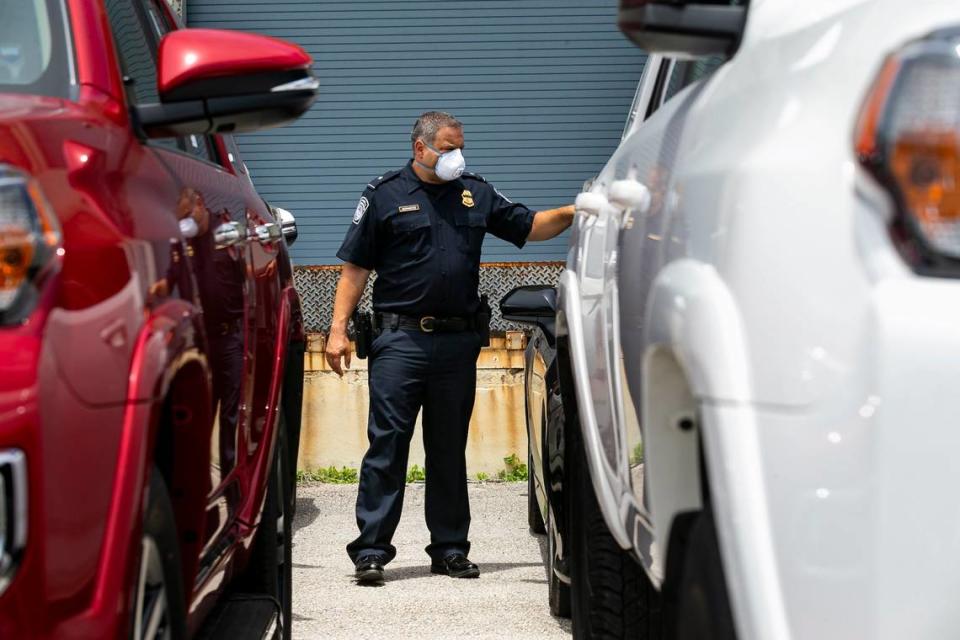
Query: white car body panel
[[824, 369]]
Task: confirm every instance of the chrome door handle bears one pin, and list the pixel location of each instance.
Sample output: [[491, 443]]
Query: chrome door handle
[[266, 233], [227, 234]]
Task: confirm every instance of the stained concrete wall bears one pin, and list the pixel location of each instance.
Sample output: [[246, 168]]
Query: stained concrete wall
[[334, 428]]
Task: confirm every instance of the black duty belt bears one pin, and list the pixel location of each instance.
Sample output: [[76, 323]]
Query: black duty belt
[[426, 324]]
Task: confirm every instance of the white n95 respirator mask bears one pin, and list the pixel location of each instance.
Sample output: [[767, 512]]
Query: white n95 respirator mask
[[449, 166]]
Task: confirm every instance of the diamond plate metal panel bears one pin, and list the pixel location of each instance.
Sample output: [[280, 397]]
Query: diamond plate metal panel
[[317, 287], [497, 280]]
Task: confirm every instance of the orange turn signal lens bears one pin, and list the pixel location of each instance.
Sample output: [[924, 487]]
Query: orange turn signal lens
[[29, 238], [16, 256], [926, 165], [908, 136]]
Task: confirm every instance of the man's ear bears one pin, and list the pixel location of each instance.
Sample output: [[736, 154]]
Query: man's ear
[[421, 149]]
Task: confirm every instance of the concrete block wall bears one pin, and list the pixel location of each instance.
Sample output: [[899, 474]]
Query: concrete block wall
[[334, 428]]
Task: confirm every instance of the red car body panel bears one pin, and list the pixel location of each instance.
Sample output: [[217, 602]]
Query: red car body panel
[[114, 368]]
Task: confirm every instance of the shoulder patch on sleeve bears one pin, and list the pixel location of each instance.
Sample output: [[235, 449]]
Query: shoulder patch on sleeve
[[362, 207], [379, 180]]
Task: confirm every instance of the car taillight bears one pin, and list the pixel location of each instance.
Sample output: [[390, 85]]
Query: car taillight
[[30, 243], [908, 136]]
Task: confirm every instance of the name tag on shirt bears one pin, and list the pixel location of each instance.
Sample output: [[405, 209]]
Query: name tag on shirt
[[407, 208]]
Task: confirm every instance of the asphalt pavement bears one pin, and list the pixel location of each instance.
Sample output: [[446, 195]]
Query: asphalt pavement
[[509, 600]]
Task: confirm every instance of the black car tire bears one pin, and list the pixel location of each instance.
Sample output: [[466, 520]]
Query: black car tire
[[559, 591], [534, 519], [289, 463], [703, 608], [158, 583], [611, 595], [270, 569]]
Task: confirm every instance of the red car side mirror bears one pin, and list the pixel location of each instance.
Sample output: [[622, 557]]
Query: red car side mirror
[[213, 81]]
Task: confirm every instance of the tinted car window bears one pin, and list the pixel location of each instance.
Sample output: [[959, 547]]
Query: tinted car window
[[137, 30], [136, 51], [233, 156], [34, 48], [159, 20], [686, 72], [635, 107], [160, 24]]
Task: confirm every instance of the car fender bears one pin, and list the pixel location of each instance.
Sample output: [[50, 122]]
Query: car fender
[[607, 486], [164, 346], [692, 315]]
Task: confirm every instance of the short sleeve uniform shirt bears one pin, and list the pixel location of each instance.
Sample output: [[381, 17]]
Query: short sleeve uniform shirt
[[424, 240]]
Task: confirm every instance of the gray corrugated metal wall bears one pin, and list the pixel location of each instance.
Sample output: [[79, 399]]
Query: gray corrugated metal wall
[[542, 86]]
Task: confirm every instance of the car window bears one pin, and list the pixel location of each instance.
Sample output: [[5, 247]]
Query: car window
[[137, 29], [135, 49], [159, 21], [685, 72], [233, 156], [635, 108], [160, 24], [35, 52]]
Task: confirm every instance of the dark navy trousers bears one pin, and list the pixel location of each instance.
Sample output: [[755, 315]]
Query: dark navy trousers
[[409, 369]]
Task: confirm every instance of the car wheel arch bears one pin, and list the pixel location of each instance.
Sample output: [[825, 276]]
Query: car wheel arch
[[693, 351], [181, 452], [607, 486], [693, 326]]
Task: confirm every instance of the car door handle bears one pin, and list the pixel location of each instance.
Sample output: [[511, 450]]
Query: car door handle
[[266, 233], [227, 234], [589, 204], [629, 194]]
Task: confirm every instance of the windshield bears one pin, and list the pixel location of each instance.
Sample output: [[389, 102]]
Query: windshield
[[34, 52]]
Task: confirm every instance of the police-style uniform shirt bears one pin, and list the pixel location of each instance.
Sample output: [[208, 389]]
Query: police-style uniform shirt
[[424, 240]]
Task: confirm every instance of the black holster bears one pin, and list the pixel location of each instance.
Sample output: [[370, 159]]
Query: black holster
[[363, 333], [483, 321]]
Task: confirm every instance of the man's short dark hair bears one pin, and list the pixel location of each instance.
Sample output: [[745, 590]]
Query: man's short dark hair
[[429, 124]]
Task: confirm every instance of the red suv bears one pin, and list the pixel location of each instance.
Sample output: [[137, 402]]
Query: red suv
[[152, 341]]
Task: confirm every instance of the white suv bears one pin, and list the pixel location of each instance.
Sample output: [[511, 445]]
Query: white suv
[[761, 316]]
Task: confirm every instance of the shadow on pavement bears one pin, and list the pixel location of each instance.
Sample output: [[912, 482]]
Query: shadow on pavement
[[307, 512], [409, 573], [544, 550]]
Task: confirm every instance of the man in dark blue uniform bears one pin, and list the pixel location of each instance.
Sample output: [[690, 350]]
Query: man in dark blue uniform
[[421, 229]]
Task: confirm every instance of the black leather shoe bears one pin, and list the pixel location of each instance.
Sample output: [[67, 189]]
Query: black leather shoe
[[369, 570], [456, 565]]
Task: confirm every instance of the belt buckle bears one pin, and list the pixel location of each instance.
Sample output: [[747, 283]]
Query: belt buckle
[[426, 324]]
